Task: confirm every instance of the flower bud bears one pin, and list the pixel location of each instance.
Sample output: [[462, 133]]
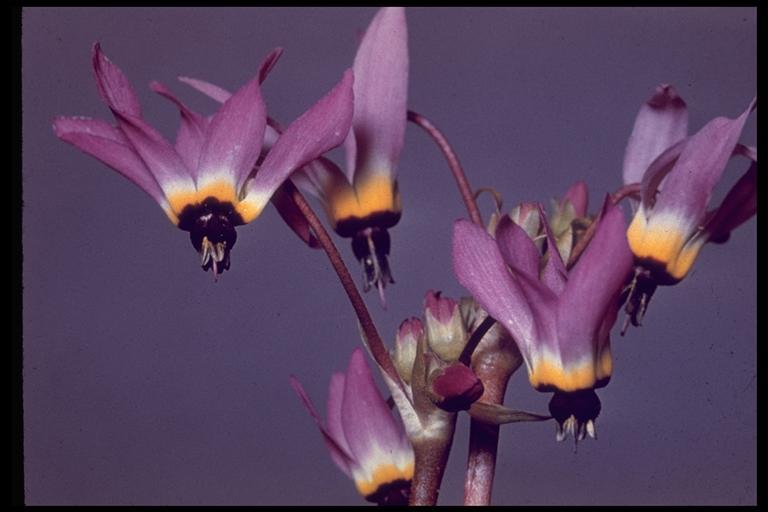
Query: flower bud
[[446, 334], [406, 342], [455, 387]]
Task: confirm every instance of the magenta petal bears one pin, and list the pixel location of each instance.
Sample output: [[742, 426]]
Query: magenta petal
[[158, 155], [235, 136], [191, 134], [661, 122], [480, 268], [292, 216], [318, 176], [578, 196], [658, 170], [109, 145], [338, 454], [381, 92], [593, 285], [369, 426], [517, 248], [554, 274], [738, 206], [688, 186], [268, 63], [214, 92], [113, 86], [334, 418], [319, 129]]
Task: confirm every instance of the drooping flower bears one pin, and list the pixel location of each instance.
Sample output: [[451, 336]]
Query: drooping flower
[[364, 439], [206, 183], [364, 202], [678, 174], [672, 222], [560, 320]]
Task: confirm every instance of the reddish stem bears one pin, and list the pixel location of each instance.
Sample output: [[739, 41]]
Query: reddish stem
[[453, 162], [372, 338]]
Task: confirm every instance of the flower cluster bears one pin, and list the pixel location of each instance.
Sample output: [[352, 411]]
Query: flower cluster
[[546, 289]]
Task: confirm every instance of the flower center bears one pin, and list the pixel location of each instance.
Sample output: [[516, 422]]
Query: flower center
[[211, 225]]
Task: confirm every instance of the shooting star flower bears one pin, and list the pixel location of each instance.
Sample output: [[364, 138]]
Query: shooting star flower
[[206, 183]]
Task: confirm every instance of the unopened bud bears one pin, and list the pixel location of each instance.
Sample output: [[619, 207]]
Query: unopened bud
[[406, 342], [446, 333], [455, 387], [526, 215]]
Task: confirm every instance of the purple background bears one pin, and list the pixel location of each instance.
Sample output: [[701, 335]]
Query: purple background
[[147, 383]]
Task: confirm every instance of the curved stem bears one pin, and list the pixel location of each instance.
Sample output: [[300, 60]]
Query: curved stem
[[373, 340], [474, 340], [453, 162]]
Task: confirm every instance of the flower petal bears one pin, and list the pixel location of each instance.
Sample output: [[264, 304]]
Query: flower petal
[[374, 437], [191, 134], [234, 138], [738, 206], [480, 268], [688, 187], [381, 94], [554, 275], [593, 285], [334, 417], [108, 144], [661, 122], [161, 160], [319, 129], [292, 216], [214, 92], [220, 94], [578, 195], [338, 453], [113, 86], [517, 248]]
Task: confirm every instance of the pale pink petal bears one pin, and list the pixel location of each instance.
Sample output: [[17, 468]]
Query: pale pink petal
[[661, 122]]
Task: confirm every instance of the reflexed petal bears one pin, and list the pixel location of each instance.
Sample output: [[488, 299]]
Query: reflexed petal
[[688, 187], [268, 63], [214, 92], [322, 178], [161, 160], [372, 434], [220, 94], [554, 275], [661, 122], [109, 145], [593, 284], [191, 134], [578, 195], [738, 206], [657, 171], [517, 248], [381, 93], [338, 454], [292, 216], [319, 129], [113, 86], [334, 418], [234, 137], [480, 268]]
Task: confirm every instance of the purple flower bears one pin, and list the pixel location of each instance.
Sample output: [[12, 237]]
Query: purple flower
[[364, 202], [678, 173], [560, 319], [363, 437], [205, 182]]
